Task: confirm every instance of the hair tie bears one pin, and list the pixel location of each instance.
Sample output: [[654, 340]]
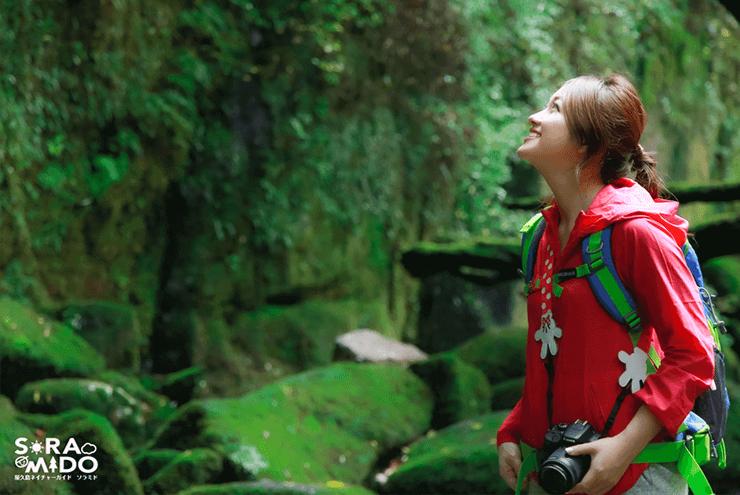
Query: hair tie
[[636, 156]]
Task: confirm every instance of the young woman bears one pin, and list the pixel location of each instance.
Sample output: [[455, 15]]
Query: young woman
[[585, 143]]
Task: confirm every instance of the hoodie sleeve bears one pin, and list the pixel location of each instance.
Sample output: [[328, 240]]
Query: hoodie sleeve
[[509, 430], [664, 290]]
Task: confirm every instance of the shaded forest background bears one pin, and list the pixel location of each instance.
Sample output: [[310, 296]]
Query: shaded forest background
[[220, 189]]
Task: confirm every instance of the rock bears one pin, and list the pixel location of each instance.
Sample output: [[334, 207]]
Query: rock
[[191, 467], [116, 473], [111, 328], [11, 428], [460, 459], [460, 390], [453, 310], [270, 487], [366, 345], [505, 394], [262, 345], [499, 355], [34, 347], [328, 423], [134, 416]]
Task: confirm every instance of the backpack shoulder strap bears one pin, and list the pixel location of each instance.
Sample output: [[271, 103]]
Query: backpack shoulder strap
[[531, 235], [605, 282]]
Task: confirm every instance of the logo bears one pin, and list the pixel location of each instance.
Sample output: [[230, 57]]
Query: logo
[[51, 458]]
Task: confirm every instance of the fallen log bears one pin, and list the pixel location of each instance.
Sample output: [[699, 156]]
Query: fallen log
[[681, 191], [484, 262], [490, 261]]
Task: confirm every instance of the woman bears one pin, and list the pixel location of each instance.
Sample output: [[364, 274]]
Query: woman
[[585, 143]]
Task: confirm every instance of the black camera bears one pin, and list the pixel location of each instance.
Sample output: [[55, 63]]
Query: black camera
[[559, 472]]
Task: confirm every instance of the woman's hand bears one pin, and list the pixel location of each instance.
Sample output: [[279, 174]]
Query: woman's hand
[[509, 462], [610, 457]]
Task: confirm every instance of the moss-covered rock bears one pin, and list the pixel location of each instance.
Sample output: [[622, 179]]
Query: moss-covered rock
[[149, 461], [270, 487], [134, 415], [34, 347], [499, 354], [10, 429], [451, 311], [111, 328], [303, 334], [323, 424], [460, 390], [116, 474], [505, 394], [188, 468], [460, 459], [179, 385]]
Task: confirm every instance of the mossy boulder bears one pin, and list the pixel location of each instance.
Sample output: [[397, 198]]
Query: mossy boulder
[[303, 335], [322, 424], [133, 415], [34, 347], [460, 390], [499, 354], [116, 474], [505, 394], [111, 328], [149, 461], [270, 487], [188, 468], [10, 429], [460, 459]]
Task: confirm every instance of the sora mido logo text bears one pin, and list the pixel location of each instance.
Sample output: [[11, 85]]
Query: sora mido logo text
[[51, 455]]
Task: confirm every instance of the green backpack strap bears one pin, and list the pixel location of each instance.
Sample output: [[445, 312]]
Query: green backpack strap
[[688, 456], [531, 235]]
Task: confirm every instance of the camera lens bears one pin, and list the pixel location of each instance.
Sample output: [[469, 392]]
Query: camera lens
[[555, 479], [560, 472]]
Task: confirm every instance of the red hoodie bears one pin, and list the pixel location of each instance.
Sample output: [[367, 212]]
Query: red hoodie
[[646, 247]]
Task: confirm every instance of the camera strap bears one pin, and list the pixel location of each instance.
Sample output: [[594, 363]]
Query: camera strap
[[615, 409], [550, 367]]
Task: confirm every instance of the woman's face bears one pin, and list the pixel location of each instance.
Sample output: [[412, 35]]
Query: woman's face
[[549, 145]]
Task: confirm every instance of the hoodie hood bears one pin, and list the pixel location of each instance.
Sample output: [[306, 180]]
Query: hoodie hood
[[624, 199]]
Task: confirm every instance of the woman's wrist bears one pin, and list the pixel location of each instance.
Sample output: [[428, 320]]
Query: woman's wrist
[[639, 432]]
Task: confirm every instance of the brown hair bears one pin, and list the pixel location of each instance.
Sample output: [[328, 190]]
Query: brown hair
[[606, 115]]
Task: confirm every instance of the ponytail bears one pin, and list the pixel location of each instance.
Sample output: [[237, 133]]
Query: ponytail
[[644, 166]]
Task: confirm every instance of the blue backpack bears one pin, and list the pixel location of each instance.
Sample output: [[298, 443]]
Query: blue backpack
[[701, 436]]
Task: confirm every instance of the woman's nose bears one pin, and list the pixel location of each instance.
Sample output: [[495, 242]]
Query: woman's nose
[[533, 119]]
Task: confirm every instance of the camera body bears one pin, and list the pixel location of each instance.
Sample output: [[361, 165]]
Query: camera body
[[559, 472]]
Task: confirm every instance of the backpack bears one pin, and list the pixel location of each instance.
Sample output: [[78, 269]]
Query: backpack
[[701, 436]]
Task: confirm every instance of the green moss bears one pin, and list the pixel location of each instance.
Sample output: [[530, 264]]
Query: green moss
[[335, 420], [33, 347], [499, 354], [460, 459], [460, 390], [116, 472], [134, 418], [188, 468], [269, 487], [303, 334], [150, 461], [505, 394], [111, 328], [10, 429]]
